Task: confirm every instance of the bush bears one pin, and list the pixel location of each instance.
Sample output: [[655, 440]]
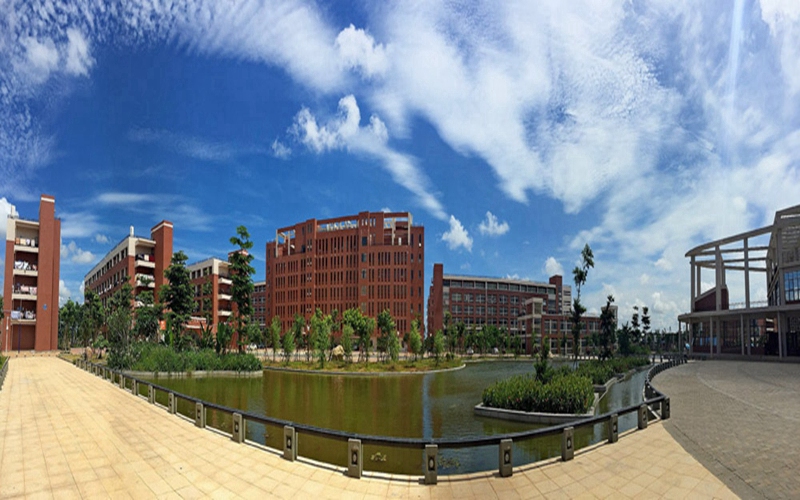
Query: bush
[[162, 358], [600, 372], [565, 393]]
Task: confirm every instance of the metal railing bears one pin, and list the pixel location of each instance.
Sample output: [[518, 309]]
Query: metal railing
[[655, 405]]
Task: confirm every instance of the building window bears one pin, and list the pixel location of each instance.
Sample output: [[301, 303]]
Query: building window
[[456, 297], [363, 257], [791, 282]]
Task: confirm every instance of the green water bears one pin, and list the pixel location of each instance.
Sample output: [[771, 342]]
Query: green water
[[430, 405]]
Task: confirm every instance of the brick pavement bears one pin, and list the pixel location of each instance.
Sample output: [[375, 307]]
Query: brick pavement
[[67, 434], [740, 419]]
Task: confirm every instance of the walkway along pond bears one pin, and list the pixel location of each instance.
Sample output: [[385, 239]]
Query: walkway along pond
[[394, 417]]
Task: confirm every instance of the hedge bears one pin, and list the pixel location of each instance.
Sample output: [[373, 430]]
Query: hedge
[[569, 393], [162, 358]]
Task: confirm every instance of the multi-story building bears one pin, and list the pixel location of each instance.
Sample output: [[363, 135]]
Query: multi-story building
[[527, 309], [33, 255], [372, 261], [212, 291], [136, 260], [259, 302], [725, 322]]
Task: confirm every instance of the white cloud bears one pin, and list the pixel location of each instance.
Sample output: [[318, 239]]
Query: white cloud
[[457, 236], [76, 255], [280, 150], [101, 238], [492, 226], [344, 132], [81, 224], [64, 293], [79, 61], [194, 147], [358, 50], [117, 198], [41, 58], [552, 267]]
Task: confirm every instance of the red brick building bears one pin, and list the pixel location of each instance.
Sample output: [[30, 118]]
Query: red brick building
[[372, 261], [259, 301], [30, 290], [526, 309], [136, 260], [212, 291]]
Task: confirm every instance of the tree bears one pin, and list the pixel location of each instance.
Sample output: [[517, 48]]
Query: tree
[[178, 295], [625, 336], [386, 326], [438, 346], [93, 316], [288, 344], [347, 342], [637, 331], [579, 274], [542, 364], [69, 318], [393, 346], [461, 334], [148, 315], [120, 326], [242, 278], [223, 339], [275, 335], [363, 327], [415, 340], [321, 326], [646, 326], [608, 326], [516, 345], [298, 326]]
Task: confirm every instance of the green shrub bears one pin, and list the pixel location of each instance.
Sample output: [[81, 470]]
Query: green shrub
[[565, 393], [162, 358], [600, 372]]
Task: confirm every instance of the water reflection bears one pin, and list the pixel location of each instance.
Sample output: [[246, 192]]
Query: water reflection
[[430, 405]]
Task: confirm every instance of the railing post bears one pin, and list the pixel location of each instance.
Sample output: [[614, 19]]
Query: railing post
[[568, 444], [431, 468], [173, 403], [642, 417], [665, 409], [289, 443], [199, 415], [134, 387], [355, 465], [121, 381], [506, 458], [613, 428], [151, 394], [238, 428]]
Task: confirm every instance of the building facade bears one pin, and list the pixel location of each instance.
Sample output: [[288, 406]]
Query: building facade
[[371, 261], [136, 260], [30, 291], [259, 302], [527, 309], [730, 322], [212, 292]]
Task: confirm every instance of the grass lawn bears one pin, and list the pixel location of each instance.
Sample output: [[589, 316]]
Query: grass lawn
[[422, 365]]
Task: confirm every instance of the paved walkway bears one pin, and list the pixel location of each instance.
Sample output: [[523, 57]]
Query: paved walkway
[[67, 434], [741, 419]]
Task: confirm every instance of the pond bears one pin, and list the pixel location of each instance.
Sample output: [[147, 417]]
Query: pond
[[419, 406]]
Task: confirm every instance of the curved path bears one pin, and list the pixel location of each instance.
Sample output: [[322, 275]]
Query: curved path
[[65, 433], [741, 419]]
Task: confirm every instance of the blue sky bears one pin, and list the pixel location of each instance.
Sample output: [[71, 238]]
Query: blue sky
[[515, 133]]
